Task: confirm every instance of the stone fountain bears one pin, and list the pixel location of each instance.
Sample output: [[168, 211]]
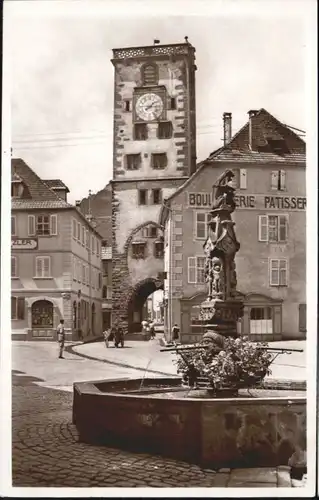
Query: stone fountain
[[260, 428]]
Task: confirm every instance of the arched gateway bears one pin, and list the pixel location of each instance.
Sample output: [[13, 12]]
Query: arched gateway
[[139, 295]]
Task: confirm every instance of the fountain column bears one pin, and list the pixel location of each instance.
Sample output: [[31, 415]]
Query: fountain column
[[222, 308]]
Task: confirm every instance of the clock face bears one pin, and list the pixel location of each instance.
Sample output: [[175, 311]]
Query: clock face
[[149, 107]]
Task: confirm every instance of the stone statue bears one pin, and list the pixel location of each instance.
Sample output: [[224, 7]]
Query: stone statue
[[217, 277], [225, 192]]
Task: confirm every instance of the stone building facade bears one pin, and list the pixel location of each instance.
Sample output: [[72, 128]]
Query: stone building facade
[[55, 261], [270, 165], [154, 153]]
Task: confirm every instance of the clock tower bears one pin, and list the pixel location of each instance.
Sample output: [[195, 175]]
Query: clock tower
[[154, 152]]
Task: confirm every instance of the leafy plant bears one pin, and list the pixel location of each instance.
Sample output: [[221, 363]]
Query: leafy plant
[[240, 364]]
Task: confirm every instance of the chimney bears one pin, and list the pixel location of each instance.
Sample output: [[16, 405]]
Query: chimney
[[251, 114], [78, 203], [227, 127]]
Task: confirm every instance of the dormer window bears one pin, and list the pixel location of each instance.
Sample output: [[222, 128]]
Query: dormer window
[[17, 186]]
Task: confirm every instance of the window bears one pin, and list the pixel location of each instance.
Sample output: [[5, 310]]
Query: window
[[97, 248], [149, 232], [149, 74], [79, 232], [240, 179], [14, 267], [158, 249], [42, 314], [159, 161], [157, 196], [165, 130], [104, 292], [78, 264], [278, 272], [196, 270], [83, 235], [13, 225], [87, 239], [93, 243], [43, 267], [105, 268], [138, 250], [17, 307], [74, 269], [86, 275], [201, 221], [100, 281], [173, 102], [133, 162], [42, 225], [74, 229], [83, 273], [273, 228], [261, 320], [142, 197], [140, 131], [302, 318], [278, 180], [127, 105]]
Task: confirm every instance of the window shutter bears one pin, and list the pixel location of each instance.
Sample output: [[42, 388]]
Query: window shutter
[[46, 266], [283, 272], [21, 307], [274, 272], [13, 225], [191, 269], [243, 178], [283, 228], [53, 225], [31, 225], [39, 266], [13, 267], [263, 228], [282, 174], [274, 180]]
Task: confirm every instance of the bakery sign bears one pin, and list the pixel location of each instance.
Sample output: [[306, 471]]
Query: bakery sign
[[251, 201], [24, 243]]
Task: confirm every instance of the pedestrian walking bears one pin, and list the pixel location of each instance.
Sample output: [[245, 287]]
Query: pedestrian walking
[[106, 335], [119, 337], [175, 333], [61, 337], [152, 331]]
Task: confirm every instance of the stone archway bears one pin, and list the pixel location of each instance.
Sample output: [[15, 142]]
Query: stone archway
[[137, 299]]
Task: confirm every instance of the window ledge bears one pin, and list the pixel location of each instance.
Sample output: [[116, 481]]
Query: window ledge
[[43, 277], [15, 277]]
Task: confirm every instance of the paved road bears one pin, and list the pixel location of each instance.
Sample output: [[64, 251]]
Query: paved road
[[46, 451]]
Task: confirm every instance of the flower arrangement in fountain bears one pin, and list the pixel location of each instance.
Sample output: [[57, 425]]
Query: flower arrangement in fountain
[[240, 364]]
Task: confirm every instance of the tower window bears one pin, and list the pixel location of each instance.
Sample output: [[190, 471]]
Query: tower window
[[165, 130], [157, 196], [127, 105], [150, 74], [133, 162], [159, 161], [158, 249], [173, 102], [142, 197], [140, 131]]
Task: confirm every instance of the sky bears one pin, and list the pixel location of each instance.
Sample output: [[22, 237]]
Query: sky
[[62, 77]]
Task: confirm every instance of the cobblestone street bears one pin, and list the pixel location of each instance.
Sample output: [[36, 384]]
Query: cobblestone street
[[46, 451]]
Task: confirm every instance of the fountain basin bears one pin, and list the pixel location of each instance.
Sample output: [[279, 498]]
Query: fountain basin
[[260, 429]]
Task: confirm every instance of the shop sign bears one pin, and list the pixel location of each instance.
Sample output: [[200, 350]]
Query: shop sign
[[251, 201], [24, 243]]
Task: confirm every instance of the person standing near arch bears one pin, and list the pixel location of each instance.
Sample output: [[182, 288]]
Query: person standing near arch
[[61, 337]]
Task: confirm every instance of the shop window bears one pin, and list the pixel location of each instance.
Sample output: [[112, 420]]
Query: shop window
[[42, 314], [165, 130], [17, 307], [140, 131], [201, 224], [43, 267], [142, 197], [42, 225], [196, 270], [14, 267], [138, 250], [278, 272], [261, 320], [149, 74], [273, 228], [133, 162], [159, 161], [278, 180], [158, 249], [13, 225], [156, 196]]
